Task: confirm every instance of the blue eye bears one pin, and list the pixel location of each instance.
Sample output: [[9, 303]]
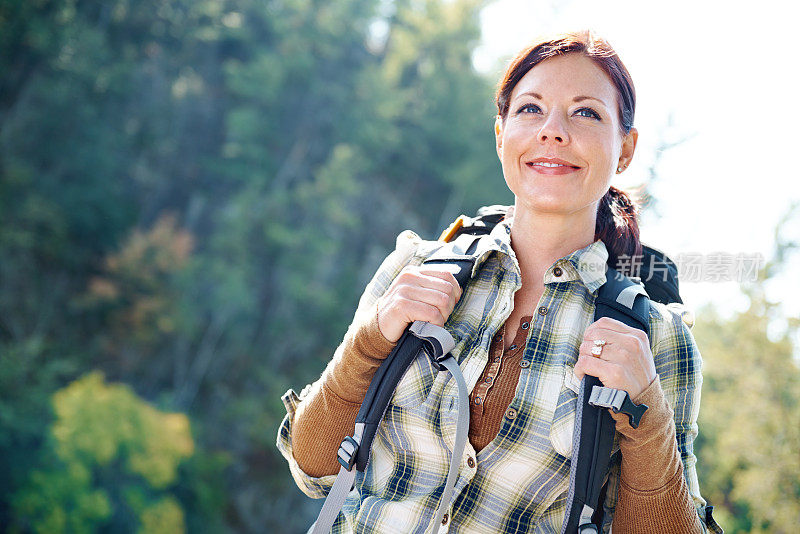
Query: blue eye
[[529, 108], [589, 113]]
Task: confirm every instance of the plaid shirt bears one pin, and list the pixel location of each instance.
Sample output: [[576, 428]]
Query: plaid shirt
[[519, 482]]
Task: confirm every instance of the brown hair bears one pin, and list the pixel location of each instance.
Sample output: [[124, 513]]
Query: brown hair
[[617, 222]]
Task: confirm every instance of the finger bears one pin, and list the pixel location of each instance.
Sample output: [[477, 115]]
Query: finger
[[446, 276], [413, 277], [610, 374], [605, 326], [422, 311], [432, 297], [587, 346], [610, 352], [627, 344]]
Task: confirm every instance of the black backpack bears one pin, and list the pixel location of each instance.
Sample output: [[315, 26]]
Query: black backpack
[[623, 298]]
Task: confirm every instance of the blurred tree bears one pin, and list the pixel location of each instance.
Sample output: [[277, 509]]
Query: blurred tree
[[115, 459], [749, 438]]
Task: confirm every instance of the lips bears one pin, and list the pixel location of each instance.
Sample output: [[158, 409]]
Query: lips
[[552, 166]]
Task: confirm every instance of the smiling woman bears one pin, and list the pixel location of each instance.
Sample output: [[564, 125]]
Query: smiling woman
[[527, 335]]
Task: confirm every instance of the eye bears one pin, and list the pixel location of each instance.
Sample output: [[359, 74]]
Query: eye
[[529, 108], [589, 113]]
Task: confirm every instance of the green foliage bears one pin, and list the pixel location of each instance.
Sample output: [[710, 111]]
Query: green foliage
[[192, 196], [749, 439], [112, 453], [61, 499]]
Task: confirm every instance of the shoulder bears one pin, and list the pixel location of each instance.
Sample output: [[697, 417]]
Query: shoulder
[[410, 249], [669, 320], [673, 346]]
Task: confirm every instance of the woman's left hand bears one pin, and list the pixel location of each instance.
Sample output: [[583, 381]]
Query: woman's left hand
[[625, 362]]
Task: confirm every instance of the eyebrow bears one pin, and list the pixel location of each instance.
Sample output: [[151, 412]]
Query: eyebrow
[[578, 98]]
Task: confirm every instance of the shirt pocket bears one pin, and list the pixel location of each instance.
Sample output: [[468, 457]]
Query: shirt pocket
[[562, 427], [415, 386]]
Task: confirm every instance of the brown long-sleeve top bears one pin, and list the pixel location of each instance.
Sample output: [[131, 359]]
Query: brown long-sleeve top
[[652, 489]]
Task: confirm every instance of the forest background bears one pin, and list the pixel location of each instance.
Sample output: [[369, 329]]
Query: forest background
[[193, 194]]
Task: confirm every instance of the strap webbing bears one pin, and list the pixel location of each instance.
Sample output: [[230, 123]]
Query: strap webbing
[[334, 502], [462, 429], [435, 341], [621, 299]]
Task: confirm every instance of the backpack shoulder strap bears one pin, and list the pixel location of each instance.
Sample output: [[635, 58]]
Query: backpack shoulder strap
[[617, 299], [624, 300], [459, 256]]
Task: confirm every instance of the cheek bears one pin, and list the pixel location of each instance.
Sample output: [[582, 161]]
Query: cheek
[[516, 142], [605, 153]]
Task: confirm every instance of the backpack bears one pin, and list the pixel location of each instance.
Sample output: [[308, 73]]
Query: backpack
[[622, 298]]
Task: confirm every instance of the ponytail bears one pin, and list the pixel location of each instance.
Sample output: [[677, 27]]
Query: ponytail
[[618, 227]]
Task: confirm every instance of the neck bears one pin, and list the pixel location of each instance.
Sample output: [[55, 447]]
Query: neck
[[539, 239]]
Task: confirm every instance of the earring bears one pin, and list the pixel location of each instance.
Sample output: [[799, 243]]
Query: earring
[[620, 168]]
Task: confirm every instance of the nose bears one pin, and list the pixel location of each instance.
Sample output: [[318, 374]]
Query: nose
[[553, 130]]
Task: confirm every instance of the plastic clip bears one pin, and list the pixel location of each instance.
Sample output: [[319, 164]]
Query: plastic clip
[[347, 452], [619, 401]]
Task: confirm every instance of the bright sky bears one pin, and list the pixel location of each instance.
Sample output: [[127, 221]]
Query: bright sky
[[723, 75]]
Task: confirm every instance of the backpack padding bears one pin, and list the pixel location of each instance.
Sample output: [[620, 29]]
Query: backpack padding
[[659, 274], [391, 371], [594, 427]]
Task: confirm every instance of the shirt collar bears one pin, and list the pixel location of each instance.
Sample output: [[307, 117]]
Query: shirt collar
[[587, 264]]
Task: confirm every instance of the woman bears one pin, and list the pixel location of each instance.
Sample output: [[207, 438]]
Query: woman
[[525, 332]]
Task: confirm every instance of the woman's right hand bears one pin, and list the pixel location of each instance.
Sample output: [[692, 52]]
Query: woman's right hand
[[417, 294]]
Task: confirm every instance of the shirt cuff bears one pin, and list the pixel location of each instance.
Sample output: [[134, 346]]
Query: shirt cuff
[[350, 372], [650, 456]]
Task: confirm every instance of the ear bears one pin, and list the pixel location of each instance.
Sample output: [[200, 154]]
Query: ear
[[628, 148], [498, 136]]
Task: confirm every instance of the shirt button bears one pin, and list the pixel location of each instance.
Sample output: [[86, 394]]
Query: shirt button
[[526, 325], [497, 360], [557, 271], [512, 347], [478, 401], [508, 229], [524, 364], [470, 462], [542, 310], [511, 413], [489, 379], [445, 519]]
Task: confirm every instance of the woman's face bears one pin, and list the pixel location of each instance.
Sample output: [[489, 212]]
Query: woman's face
[[561, 143]]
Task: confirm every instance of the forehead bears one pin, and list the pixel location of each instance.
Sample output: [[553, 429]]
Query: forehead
[[567, 76]]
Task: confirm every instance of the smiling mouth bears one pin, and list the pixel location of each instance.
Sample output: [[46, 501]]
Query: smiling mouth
[[550, 165], [552, 168]]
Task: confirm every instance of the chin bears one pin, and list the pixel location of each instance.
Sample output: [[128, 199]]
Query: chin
[[546, 205]]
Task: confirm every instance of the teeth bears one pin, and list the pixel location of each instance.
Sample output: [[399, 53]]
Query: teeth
[[545, 164]]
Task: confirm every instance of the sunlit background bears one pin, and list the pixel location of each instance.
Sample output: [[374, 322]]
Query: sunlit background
[[193, 194], [715, 83]]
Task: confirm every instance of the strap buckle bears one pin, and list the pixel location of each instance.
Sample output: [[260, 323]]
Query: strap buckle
[[619, 401], [438, 342], [347, 452]]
